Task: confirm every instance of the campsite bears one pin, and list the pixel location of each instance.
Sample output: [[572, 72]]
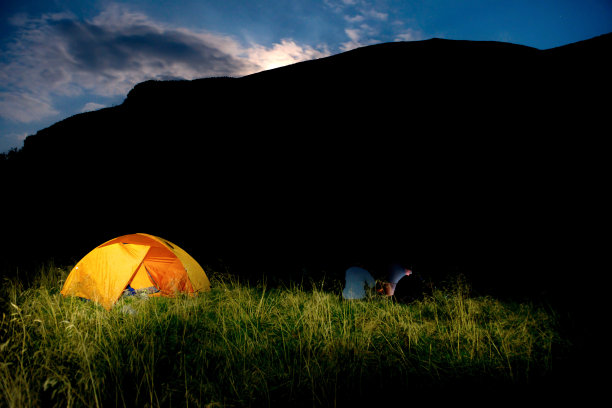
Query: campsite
[[260, 345], [139, 322], [189, 246]]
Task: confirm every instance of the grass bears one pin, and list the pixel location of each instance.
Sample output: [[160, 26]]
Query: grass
[[251, 345]]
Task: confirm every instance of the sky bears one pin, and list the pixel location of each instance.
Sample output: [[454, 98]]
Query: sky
[[60, 58]]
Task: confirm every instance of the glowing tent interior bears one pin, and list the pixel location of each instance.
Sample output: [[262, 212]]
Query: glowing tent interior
[[144, 262]]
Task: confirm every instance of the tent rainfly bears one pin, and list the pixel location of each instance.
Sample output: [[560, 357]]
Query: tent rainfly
[[144, 262]]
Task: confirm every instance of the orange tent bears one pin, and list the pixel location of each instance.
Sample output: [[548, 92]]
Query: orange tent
[[145, 262]]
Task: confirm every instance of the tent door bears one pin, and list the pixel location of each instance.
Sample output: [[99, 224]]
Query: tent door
[[143, 281]]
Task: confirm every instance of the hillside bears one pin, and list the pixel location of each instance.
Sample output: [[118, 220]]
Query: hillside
[[453, 155]]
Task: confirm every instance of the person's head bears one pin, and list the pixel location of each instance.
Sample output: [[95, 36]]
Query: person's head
[[388, 288]]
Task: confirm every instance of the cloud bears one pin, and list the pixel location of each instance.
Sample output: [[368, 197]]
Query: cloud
[[353, 33], [363, 20], [23, 107], [376, 14], [359, 37], [357, 11], [366, 23], [92, 106], [60, 55], [11, 140], [340, 5], [285, 53], [355, 19], [409, 34], [66, 55]]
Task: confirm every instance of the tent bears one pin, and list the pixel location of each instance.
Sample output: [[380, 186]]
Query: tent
[[144, 262]]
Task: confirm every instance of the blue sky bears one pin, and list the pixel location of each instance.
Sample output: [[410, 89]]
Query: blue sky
[[59, 58]]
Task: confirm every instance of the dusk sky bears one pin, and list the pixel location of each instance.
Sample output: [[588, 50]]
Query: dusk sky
[[59, 58]]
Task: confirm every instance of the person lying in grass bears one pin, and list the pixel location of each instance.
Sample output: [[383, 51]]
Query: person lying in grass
[[357, 279]]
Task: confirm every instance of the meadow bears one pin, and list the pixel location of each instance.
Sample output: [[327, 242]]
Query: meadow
[[254, 344]]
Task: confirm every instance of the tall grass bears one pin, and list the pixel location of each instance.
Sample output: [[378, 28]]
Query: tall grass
[[251, 345]]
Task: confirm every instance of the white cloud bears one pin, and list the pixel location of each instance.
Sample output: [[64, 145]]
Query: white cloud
[[409, 35], [366, 23], [25, 107], [360, 13], [376, 15], [339, 5], [353, 33], [359, 37], [11, 140], [92, 106], [60, 55], [354, 19], [285, 53]]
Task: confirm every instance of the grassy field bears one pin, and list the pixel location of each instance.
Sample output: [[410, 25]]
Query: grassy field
[[253, 345]]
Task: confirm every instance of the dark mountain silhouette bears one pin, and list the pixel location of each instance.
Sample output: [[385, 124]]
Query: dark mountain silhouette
[[451, 155]]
